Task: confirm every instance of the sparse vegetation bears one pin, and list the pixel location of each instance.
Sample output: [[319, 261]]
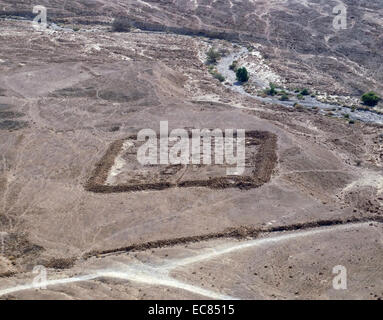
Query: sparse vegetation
[[262, 93], [212, 56], [298, 107], [242, 74], [271, 91], [284, 97], [370, 99], [234, 66], [216, 74], [300, 97], [250, 48], [305, 92], [115, 128], [121, 25], [219, 76]]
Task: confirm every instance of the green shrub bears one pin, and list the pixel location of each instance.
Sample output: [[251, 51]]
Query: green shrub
[[213, 56], [271, 91], [234, 66], [370, 99], [242, 74], [219, 76], [305, 92], [216, 74], [284, 97], [300, 96]]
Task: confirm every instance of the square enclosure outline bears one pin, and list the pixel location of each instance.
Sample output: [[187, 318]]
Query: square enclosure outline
[[264, 161]]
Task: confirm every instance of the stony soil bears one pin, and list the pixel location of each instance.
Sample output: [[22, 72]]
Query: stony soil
[[68, 100]]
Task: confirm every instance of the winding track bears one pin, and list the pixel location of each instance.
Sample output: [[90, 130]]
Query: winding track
[[161, 274]]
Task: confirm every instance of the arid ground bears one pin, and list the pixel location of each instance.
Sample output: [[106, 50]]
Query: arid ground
[[73, 200]]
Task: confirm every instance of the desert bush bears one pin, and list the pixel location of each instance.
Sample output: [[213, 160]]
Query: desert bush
[[219, 76], [250, 48], [242, 74], [370, 99], [213, 56], [114, 128], [234, 66], [282, 93], [271, 91], [121, 25], [300, 96], [305, 92], [284, 97], [216, 74]]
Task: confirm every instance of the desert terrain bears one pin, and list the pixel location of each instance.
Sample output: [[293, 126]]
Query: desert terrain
[[74, 201]]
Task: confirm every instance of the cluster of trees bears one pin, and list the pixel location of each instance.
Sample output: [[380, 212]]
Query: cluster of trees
[[213, 57]]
